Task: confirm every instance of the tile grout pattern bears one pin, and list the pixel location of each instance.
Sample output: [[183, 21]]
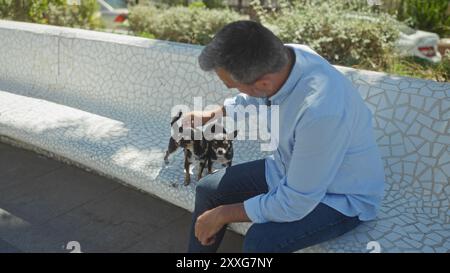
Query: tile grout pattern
[[107, 107]]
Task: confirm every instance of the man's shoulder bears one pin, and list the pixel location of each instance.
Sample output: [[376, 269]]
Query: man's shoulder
[[324, 95], [302, 48]]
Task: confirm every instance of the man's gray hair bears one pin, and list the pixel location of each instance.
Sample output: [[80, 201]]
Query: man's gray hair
[[245, 49]]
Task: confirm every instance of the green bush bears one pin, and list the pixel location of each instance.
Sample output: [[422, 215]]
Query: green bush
[[324, 27], [426, 15], [214, 4], [163, 3], [15, 10], [195, 25], [197, 5], [54, 12]]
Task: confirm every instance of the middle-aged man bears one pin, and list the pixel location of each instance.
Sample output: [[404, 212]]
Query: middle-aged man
[[325, 176]]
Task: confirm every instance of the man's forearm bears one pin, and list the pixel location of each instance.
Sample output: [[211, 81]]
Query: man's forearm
[[233, 213]]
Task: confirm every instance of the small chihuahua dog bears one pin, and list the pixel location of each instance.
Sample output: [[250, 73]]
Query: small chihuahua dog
[[194, 150], [206, 152], [220, 148]]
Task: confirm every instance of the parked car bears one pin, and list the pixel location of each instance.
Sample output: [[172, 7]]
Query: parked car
[[114, 13], [411, 42]]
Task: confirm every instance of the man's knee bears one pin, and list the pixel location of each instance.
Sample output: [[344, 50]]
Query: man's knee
[[206, 190]]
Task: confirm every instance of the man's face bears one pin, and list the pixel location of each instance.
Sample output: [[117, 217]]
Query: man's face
[[249, 89]]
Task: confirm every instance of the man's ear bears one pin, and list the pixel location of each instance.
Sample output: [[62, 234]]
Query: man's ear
[[264, 83]]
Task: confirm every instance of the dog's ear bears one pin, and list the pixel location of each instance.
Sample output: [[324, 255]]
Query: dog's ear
[[232, 135], [175, 118]]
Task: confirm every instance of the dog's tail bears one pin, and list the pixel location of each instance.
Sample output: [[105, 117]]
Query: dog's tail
[[177, 117]]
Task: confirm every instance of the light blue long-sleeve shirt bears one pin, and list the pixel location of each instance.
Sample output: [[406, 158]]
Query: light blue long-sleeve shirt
[[326, 149]]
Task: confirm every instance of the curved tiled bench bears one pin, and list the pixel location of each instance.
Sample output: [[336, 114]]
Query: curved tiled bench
[[103, 101]]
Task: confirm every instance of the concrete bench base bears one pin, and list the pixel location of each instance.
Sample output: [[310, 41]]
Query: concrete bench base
[[131, 152], [126, 150]]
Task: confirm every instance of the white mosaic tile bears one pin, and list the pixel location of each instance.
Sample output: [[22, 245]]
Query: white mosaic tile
[[103, 100]]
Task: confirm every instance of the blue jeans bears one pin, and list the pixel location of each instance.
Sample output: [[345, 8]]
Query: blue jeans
[[240, 182]]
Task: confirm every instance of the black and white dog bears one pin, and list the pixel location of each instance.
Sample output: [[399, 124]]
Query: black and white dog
[[218, 148], [195, 150]]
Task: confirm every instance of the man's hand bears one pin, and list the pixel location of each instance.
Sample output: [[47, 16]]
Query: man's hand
[[198, 118], [190, 119], [211, 221], [207, 226]]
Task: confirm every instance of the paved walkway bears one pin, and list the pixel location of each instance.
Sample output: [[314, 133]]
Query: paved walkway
[[44, 204]]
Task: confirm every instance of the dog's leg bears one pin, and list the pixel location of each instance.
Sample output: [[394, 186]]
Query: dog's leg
[[173, 146], [187, 174], [200, 171], [210, 163]]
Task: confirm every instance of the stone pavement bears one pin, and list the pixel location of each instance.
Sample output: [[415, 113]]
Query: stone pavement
[[44, 204]]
